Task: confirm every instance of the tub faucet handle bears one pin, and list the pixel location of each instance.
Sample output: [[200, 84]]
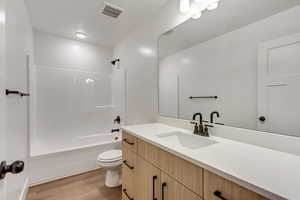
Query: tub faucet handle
[[117, 120]]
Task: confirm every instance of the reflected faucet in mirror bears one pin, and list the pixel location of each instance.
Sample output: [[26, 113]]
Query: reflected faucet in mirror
[[212, 116]]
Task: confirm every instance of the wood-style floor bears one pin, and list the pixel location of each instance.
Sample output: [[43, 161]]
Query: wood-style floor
[[88, 186]]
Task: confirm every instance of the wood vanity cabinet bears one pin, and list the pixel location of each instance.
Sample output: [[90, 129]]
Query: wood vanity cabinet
[[151, 173], [173, 190], [226, 189], [181, 170], [129, 141], [129, 169], [148, 181]]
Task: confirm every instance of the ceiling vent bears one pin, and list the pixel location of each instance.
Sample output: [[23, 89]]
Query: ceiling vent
[[111, 10]]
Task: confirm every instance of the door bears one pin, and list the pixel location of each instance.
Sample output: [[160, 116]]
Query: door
[[278, 83], [147, 181], [2, 97], [173, 190], [15, 45]]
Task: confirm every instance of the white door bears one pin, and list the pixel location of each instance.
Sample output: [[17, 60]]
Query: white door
[[2, 97], [278, 86], [15, 33]]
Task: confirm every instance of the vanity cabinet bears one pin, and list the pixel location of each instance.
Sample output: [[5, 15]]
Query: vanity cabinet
[[129, 141], [181, 170], [173, 190], [147, 181], [128, 174], [151, 173], [216, 188]]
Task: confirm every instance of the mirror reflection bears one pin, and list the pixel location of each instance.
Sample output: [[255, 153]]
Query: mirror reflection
[[238, 65]]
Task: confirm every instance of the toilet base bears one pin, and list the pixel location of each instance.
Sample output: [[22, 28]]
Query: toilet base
[[113, 177]]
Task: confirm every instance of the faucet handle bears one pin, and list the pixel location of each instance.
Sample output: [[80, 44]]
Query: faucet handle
[[196, 128], [195, 123]]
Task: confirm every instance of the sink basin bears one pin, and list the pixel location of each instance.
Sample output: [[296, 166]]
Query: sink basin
[[185, 140]]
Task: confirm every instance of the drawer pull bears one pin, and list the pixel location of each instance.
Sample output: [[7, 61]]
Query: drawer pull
[[219, 194], [127, 165], [130, 143], [153, 184], [163, 190], [127, 195]]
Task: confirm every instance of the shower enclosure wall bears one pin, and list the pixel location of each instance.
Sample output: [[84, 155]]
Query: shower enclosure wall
[[72, 108]]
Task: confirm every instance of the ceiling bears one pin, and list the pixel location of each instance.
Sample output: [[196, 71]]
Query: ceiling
[[231, 15], [65, 17]]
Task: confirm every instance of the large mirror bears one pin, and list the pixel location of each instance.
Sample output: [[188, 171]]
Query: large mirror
[[241, 60]]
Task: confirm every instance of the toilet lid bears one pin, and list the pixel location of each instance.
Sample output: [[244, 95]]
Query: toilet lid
[[112, 155]]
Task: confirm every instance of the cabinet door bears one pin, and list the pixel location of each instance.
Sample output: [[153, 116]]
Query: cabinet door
[[218, 188], [129, 169], [129, 141], [173, 190], [148, 181], [183, 171]]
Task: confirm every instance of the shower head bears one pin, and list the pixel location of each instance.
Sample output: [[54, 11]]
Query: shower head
[[114, 62]]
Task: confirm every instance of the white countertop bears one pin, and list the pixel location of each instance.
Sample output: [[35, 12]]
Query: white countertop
[[273, 174]]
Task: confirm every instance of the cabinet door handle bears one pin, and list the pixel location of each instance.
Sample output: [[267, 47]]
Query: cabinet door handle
[[127, 165], [219, 195], [153, 185], [163, 190], [130, 143], [127, 195]]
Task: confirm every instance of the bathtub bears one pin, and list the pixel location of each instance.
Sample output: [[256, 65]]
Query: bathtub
[[51, 159]]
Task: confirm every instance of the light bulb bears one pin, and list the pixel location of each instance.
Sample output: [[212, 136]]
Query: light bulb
[[81, 35], [185, 5], [213, 6], [197, 15]]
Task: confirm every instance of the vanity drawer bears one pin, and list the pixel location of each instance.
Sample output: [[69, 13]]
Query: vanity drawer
[[129, 168], [129, 141], [183, 171], [129, 159], [218, 188], [149, 152]]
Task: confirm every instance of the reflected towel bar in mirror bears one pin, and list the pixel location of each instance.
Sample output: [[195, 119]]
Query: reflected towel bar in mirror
[[204, 97]]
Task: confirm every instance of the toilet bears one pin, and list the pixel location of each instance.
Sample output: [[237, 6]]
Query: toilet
[[111, 161]]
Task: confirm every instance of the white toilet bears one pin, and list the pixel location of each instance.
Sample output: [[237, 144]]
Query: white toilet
[[111, 161]]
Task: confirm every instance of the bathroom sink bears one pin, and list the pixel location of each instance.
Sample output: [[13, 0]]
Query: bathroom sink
[[192, 142]]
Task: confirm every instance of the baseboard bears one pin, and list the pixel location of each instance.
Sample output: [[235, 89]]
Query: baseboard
[[25, 190], [62, 177]]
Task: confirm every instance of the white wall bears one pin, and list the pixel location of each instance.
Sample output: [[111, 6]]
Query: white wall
[[56, 51], [226, 66], [138, 54], [71, 86]]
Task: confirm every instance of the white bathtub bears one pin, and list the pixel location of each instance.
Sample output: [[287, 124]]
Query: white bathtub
[[51, 160]]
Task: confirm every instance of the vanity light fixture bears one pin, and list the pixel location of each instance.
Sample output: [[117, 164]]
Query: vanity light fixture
[[197, 15], [196, 7], [2, 17], [185, 6], [213, 5], [81, 35]]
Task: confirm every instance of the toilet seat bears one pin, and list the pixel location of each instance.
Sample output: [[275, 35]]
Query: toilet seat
[[110, 156]]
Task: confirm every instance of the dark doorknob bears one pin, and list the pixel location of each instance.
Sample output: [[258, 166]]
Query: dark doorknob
[[15, 168], [262, 119]]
